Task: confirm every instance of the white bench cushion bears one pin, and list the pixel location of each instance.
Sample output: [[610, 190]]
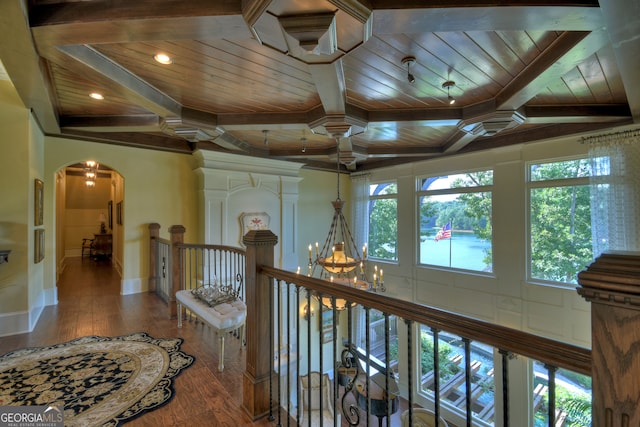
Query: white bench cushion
[[222, 316]]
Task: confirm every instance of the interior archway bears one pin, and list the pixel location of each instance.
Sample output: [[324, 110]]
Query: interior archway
[[89, 209]]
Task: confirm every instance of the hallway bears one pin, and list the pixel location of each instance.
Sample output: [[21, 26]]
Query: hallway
[[90, 304]]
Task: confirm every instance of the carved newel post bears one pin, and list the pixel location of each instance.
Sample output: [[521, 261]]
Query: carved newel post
[[154, 234], [612, 285], [177, 237], [259, 296]]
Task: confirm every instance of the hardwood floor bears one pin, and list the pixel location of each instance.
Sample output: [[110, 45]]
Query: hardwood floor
[[90, 304]]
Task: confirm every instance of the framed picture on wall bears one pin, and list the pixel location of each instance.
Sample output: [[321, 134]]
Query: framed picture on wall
[[119, 218], [39, 202], [110, 214], [38, 245], [327, 326]]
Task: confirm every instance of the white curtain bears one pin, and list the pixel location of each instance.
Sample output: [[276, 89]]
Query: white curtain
[[615, 191], [360, 221], [359, 207]]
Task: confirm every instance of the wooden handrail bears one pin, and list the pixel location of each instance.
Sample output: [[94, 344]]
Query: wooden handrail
[[545, 350], [221, 248]]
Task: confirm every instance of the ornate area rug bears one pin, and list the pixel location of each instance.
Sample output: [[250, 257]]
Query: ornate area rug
[[99, 381]]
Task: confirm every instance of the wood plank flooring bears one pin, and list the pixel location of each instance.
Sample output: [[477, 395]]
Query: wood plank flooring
[[90, 304]]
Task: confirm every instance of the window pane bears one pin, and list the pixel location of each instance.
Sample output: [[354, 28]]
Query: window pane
[[579, 168], [455, 231], [377, 338], [452, 385], [560, 232], [383, 229], [463, 180], [383, 221], [573, 397], [382, 189]]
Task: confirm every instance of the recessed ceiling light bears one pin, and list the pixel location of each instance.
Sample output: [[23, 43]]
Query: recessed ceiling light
[[163, 58], [96, 95]]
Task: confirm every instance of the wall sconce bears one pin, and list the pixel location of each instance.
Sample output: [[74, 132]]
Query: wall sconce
[[308, 312]]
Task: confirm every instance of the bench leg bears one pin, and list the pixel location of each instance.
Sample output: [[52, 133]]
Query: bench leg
[[179, 315], [221, 352]]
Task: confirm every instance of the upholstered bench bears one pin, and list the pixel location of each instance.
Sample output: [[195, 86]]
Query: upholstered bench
[[223, 318]]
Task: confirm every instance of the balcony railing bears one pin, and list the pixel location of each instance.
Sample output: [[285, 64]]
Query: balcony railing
[[384, 359], [328, 345]]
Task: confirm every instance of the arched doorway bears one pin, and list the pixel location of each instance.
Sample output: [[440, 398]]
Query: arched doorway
[[89, 208]]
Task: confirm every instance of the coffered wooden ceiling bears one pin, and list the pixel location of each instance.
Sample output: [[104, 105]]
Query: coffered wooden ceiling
[[289, 79]]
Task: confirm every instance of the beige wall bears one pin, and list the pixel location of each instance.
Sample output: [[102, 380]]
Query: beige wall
[[82, 208], [317, 191], [158, 187], [22, 162], [504, 296]]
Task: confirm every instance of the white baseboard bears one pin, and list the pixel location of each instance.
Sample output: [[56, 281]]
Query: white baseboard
[[21, 322], [134, 286]]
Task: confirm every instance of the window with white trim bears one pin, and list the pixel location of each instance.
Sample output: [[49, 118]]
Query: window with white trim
[[560, 243], [454, 214], [383, 221]]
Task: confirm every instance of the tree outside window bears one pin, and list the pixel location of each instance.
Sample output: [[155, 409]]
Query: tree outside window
[[383, 221], [560, 220]]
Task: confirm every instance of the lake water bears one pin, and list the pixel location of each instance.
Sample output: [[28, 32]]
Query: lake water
[[463, 250]]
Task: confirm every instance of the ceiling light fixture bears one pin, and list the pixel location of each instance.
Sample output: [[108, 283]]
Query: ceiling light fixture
[[339, 258], [448, 85], [96, 95], [90, 173], [163, 58], [409, 61]]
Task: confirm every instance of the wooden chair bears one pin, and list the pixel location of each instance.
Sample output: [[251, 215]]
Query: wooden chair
[[87, 245], [310, 387]]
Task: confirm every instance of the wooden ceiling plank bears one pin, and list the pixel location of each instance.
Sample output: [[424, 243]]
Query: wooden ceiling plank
[[147, 95], [379, 61], [566, 53], [129, 30], [449, 64], [477, 52], [615, 90], [486, 17], [72, 91], [622, 19]]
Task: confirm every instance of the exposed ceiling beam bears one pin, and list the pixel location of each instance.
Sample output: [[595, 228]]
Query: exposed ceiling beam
[[622, 18], [391, 17], [142, 92], [23, 65], [569, 50]]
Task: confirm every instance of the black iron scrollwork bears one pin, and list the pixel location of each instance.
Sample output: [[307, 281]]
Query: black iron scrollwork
[[350, 363]]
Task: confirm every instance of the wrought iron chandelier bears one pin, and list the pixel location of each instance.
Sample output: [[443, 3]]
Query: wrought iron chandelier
[[339, 259]]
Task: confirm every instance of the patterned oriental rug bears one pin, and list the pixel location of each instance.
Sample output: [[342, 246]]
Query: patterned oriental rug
[[98, 381]]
